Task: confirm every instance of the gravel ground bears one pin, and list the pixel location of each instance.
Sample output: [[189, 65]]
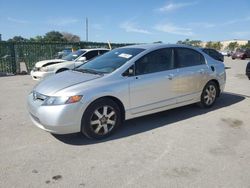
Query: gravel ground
[[184, 147]]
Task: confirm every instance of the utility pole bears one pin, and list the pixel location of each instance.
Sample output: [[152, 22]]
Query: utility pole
[[87, 30]]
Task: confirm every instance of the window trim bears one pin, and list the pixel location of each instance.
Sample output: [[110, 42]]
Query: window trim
[[132, 66], [91, 52], [176, 60], [172, 59]]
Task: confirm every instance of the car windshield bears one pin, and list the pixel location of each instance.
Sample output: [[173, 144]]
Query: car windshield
[[110, 61], [72, 56]]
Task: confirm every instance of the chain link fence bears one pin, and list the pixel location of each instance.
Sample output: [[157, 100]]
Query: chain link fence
[[12, 53]]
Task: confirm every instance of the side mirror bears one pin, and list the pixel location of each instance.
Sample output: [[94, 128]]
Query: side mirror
[[82, 59], [129, 72]]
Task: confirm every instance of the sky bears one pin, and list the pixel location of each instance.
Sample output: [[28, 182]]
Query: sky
[[128, 21]]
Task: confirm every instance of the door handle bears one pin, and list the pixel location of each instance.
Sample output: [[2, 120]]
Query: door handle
[[201, 71], [170, 76]]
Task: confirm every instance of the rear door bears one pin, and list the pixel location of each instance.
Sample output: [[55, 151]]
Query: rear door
[[191, 74]]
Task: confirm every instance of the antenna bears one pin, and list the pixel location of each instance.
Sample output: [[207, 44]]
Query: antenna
[[87, 30]]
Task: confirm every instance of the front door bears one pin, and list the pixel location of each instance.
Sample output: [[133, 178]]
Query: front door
[[152, 86]]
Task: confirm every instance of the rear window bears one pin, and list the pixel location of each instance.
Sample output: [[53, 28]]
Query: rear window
[[187, 57]]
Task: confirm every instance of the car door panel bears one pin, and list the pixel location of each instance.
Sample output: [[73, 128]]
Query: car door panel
[[190, 82], [191, 74], [152, 91], [153, 86]]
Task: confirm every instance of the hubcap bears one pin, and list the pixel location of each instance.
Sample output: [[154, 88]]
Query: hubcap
[[103, 120], [210, 94]]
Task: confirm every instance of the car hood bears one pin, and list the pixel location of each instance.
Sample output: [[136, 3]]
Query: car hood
[[48, 62], [63, 80]]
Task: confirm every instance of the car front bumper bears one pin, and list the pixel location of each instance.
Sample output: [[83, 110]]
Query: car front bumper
[[58, 119], [38, 75]]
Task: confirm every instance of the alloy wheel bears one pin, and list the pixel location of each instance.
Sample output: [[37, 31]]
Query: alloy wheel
[[210, 95], [103, 120]]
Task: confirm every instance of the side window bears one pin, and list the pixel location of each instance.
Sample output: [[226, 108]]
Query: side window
[[91, 54], [156, 61], [206, 51], [102, 52], [186, 57], [214, 53]]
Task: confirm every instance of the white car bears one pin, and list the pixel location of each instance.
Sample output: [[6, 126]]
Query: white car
[[46, 68]]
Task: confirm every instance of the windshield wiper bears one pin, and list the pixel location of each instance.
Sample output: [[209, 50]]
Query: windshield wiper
[[91, 71]]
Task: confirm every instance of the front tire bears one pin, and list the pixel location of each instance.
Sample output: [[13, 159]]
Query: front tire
[[209, 95], [101, 119]]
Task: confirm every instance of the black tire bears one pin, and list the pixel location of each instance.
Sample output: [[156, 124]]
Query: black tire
[[92, 130], [207, 100], [61, 70]]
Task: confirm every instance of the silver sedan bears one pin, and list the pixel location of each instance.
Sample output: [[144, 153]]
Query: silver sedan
[[125, 83]]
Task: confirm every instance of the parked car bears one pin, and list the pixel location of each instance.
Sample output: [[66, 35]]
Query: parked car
[[46, 68], [122, 84], [63, 53], [213, 53], [241, 54], [248, 70], [226, 53]]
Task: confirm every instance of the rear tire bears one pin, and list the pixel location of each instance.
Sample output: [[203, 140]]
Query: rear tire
[[101, 119], [209, 95]]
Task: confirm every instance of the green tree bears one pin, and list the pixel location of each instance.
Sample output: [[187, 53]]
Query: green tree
[[37, 39], [246, 45], [18, 39], [69, 37], [196, 43], [214, 45], [209, 44], [217, 45], [54, 36], [232, 46]]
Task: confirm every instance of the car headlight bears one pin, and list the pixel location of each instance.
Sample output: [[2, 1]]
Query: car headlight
[[44, 69], [50, 101]]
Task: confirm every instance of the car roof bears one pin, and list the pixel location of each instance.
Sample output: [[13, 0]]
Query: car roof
[[89, 49], [161, 45]]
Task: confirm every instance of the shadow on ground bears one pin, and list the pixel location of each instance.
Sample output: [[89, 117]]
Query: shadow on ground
[[147, 123]]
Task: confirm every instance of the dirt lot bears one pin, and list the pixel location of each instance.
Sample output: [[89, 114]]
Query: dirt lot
[[184, 147]]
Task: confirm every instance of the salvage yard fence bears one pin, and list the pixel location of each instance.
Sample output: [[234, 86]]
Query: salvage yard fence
[[12, 53]]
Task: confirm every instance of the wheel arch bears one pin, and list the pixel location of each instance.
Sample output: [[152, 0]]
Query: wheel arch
[[217, 84], [116, 100]]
